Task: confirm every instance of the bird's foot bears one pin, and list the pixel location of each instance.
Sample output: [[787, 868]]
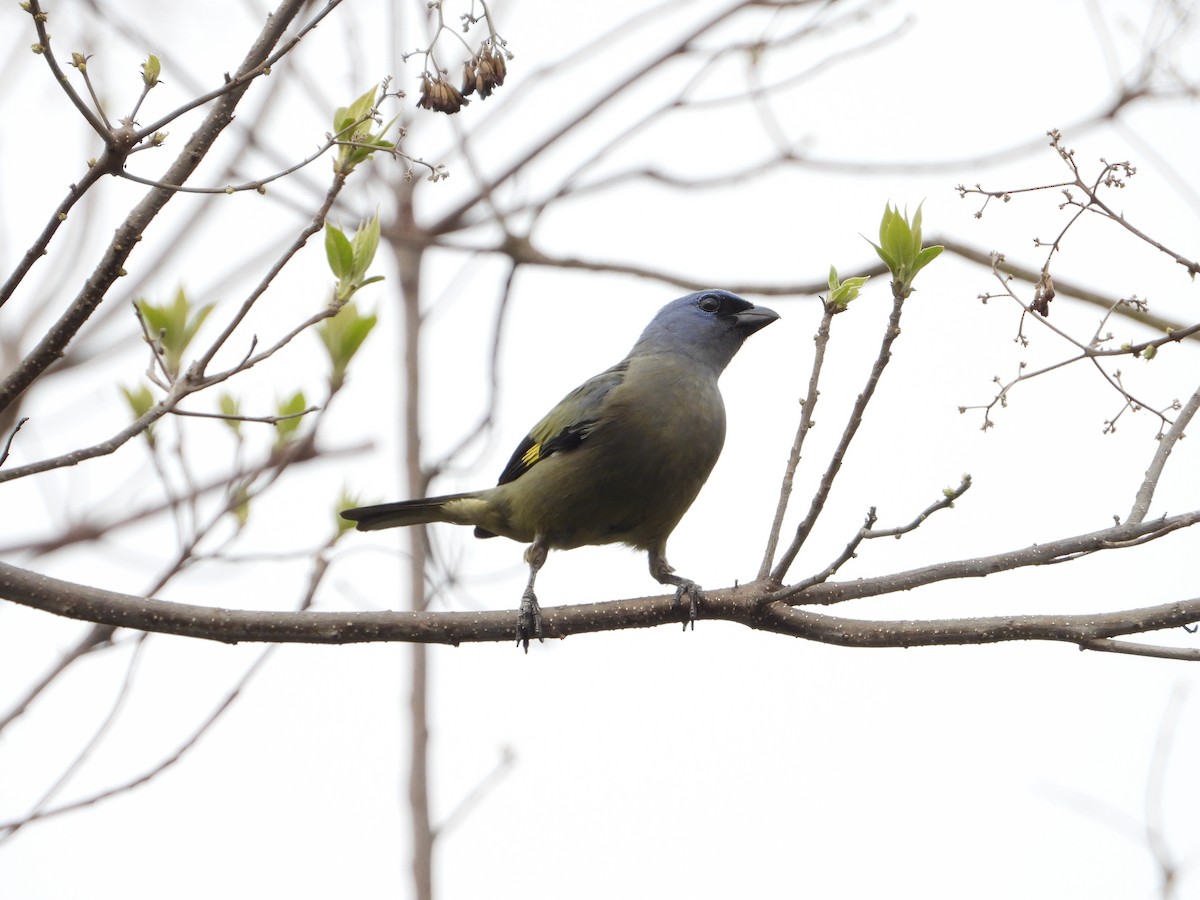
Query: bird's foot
[[695, 595], [529, 620]]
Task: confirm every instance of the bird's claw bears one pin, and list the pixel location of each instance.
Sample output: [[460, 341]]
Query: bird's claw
[[529, 620], [695, 595]]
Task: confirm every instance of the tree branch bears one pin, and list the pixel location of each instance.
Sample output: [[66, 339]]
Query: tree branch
[[839, 454], [1062, 550], [752, 605]]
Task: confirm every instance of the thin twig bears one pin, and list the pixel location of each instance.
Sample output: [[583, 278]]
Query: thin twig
[[482, 788], [225, 417], [84, 532], [97, 636], [1132, 648], [450, 220], [12, 436], [1045, 553], [246, 74], [38, 248], [839, 454], [91, 116], [53, 345], [198, 368], [10, 829], [1156, 840], [103, 448], [807, 405], [1166, 443], [944, 502], [845, 556], [149, 775]]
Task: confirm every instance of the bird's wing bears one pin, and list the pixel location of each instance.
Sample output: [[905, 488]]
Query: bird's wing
[[567, 425]]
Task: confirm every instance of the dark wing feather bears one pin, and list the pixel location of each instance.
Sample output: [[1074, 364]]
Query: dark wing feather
[[567, 425]]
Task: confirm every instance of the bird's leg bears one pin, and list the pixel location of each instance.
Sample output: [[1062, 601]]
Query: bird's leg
[[664, 574], [529, 619]]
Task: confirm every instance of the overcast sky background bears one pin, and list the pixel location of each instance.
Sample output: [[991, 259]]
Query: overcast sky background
[[648, 763]]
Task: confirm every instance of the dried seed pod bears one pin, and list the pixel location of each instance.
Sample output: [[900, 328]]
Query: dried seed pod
[[440, 96]]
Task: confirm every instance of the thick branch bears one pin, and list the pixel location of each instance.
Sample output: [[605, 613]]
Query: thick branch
[[750, 605], [1078, 629]]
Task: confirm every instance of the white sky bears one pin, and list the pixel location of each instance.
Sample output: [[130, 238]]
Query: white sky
[[713, 764]]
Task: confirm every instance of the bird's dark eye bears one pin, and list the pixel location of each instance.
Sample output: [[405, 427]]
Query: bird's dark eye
[[709, 303]]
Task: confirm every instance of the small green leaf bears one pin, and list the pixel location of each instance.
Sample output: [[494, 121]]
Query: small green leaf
[[345, 500], [841, 293], [140, 401], [339, 252], [345, 117], [354, 126], [888, 260], [343, 335], [229, 406], [151, 69], [916, 231], [365, 243], [172, 327], [926, 256], [361, 108], [285, 429], [350, 258], [900, 247], [239, 505], [341, 120]]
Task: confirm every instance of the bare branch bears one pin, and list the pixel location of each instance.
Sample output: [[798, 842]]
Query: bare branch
[[149, 775], [1064, 288], [96, 636], [1130, 648], [38, 248], [247, 73], [103, 448], [821, 494], [11, 437], [1082, 630], [1047, 553], [84, 532], [1166, 443], [318, 221], [807, 406], [848, 553], [944, 502], [522, 250], [92, 117], [7, 830], [753, 605], [485, 786]]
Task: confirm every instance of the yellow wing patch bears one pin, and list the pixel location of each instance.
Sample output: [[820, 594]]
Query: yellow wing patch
[[532, 455]]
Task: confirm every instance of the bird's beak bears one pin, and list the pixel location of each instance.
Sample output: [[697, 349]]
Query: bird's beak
[[756, 317]]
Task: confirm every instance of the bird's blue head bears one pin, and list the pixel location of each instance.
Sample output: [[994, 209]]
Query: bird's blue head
[[708, 325]]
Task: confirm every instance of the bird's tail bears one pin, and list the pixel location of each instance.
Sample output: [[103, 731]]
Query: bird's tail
[[406, 512]]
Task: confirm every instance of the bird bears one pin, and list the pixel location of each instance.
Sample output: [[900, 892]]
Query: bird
[[620, 459]]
